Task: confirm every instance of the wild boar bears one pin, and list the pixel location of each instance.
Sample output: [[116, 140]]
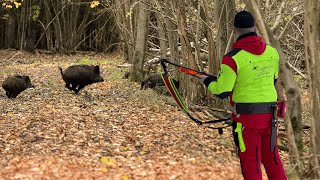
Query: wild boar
[[14, 85], [153, 79], [79, 76], [126, 75]]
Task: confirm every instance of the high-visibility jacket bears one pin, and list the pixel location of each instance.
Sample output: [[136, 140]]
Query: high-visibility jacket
[[248, 71]]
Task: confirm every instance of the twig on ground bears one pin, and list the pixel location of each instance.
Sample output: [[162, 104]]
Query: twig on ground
[[14, 55]]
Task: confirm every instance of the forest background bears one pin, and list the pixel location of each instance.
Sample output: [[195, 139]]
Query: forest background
[[194, 33]]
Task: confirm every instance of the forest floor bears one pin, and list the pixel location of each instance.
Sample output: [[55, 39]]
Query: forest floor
[[110, 130]]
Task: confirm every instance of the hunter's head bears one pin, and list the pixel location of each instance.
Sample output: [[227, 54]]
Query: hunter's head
[[243, 23]]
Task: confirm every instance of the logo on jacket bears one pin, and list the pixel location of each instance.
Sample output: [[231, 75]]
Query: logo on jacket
[[262, 68]]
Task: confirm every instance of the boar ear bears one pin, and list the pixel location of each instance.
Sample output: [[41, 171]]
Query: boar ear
[[97, 69], [27, 78]]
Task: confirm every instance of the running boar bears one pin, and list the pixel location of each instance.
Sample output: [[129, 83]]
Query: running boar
[[79, 76], [152, 80], [14, 85]]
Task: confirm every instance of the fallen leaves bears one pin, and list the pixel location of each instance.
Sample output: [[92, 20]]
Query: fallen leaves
[[111, 129], [107, 161]]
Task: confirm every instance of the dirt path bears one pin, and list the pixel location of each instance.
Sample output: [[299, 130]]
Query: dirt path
[[110, 130]]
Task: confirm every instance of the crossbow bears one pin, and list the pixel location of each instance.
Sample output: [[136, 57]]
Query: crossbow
[[168, 81]]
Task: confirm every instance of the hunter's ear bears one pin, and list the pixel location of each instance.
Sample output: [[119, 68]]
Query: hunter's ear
[[97, 69]]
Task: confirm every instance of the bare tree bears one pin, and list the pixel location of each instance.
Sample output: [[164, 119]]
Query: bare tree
[[140, 43], [123, 15], [213, 57], [10, 37], [186, 53], [312, 47], [170, 28], [224, 12], [161, 30]]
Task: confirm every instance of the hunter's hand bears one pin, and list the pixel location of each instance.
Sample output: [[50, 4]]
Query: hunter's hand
[[201, 77]]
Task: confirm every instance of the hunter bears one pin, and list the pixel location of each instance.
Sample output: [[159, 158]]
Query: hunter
[[247, 77]]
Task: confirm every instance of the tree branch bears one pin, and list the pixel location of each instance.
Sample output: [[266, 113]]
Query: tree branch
[[296, 70], [278, 19]]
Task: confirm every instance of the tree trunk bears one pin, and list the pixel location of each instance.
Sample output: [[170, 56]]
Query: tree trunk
[[162, 37], [31, 26], [48, 30], [170, 28], [141, 42], [213, 58], [312, 46], [22, 25], [191, 88], [129, 31], [10, 31], [59, 41], [224, 12], [30, 39], [124, 15], [120, 15], [259, 21]]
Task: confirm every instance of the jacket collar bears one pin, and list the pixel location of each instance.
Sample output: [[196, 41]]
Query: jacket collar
[[247, 35]]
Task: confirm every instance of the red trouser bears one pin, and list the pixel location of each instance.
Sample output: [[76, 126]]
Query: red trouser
[[256, 135]]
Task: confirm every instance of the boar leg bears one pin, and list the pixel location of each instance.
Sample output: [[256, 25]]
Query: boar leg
[[152, 86], [8, 94], [68, 86], [74, 88], [81, 86], [142, 85], [14, 94]]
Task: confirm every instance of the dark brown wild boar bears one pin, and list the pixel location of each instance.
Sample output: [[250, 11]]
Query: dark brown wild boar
[[79, 76], [126, 75], [153, 79], [14, 85]]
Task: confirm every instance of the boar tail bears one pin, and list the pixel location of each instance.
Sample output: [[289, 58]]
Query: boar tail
[[60, 70]]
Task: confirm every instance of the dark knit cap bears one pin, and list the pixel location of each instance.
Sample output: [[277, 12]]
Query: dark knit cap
[[243, 19]]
